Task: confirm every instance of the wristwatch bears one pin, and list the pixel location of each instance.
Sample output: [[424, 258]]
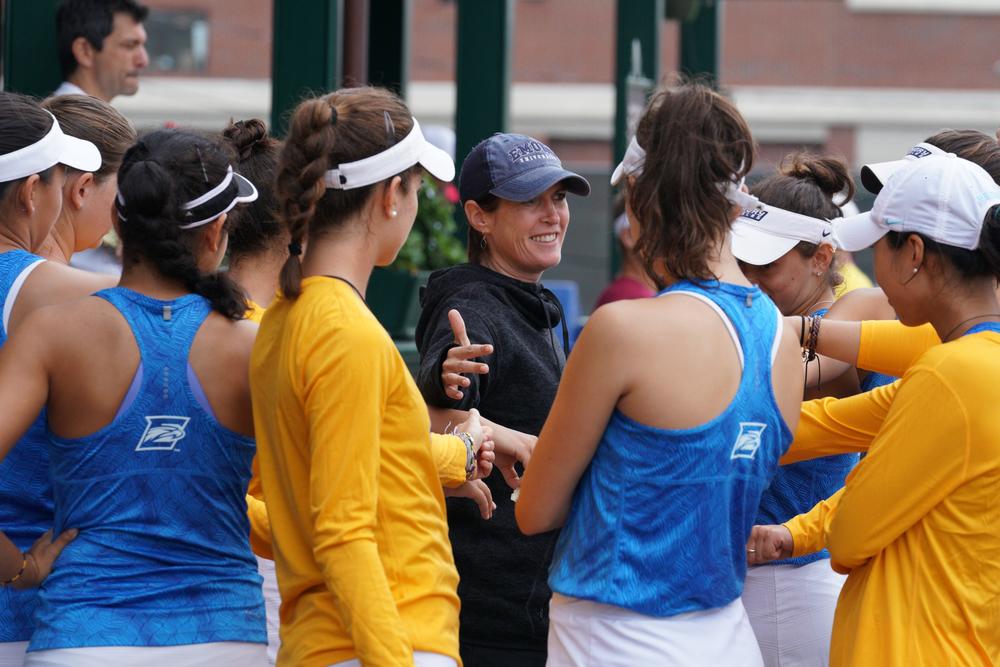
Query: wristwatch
[[470, 454]]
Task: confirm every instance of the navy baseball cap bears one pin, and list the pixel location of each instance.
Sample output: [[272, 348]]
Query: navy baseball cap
[[516, 168]]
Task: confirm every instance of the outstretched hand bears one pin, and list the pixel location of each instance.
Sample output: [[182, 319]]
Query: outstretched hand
[[513, 447], [769, 543], [459, 359], [41, 556]]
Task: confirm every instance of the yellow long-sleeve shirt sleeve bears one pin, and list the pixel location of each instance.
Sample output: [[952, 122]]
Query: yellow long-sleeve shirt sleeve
[[809, 529], [352, 479], [830, 426], [450, 456], [891, 347], [917, 525]]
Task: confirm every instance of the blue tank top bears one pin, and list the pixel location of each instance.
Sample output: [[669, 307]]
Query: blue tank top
[[985, 326], [163, 555], [796, 488], [660, 518], [25, 492]]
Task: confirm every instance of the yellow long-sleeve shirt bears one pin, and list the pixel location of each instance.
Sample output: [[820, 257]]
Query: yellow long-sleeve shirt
[[917, 525], [352, 478], [886, 346], [891, 347]]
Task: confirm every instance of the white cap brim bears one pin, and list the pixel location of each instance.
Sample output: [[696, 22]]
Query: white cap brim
[[437, 162], [874, 176], [755, 247], [618, 174], [79, 154], [52, 149], [857, 232], [631, 163]]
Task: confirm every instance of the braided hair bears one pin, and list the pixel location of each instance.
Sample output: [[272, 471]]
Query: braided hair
[[347, 125], [158, 175]]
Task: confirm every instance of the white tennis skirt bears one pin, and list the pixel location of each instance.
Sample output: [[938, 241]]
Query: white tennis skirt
[[214, 654], [791, 610], [420, 659], [590, 634], [272, 607], [12, 654]]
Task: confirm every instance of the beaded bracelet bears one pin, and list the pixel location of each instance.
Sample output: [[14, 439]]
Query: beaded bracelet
[[20, 573], [809, 349]]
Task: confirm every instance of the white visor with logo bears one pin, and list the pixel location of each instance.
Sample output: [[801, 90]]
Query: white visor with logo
[[764, 234]]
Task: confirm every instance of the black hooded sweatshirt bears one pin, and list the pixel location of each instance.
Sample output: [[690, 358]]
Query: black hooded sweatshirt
[[503, 574]]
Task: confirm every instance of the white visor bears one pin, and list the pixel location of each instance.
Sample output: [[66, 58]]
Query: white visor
[[763, 234], [54, 148], [409, 151], [874, 176], [234, 189], [631, 164]]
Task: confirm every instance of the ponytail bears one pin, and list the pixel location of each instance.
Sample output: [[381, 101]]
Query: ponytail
[[158, 174]]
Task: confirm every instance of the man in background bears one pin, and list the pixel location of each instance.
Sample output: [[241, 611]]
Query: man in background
[[102, 47]]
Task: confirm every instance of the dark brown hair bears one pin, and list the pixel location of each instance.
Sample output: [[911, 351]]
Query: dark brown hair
[[696, 142], [158, 175], [91, 19], [809, 184], [344, 126], [96, 121], [255, 156]]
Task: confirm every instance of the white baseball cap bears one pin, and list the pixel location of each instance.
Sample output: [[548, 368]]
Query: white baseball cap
[[763, 234], [942, 197], [874, 176], [52, 149]]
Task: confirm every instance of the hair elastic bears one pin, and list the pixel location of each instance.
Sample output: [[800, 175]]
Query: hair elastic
[[294, 248]]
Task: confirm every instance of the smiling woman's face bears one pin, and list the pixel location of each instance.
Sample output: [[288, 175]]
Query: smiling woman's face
[[525, 238]]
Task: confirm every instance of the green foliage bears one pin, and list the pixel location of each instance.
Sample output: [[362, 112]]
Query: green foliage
[[433, 242]]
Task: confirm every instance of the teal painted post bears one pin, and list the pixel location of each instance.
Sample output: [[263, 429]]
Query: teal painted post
[[307, 54], [30, 61], [699, 43], [482, 71], [637, 70], [389, 44]]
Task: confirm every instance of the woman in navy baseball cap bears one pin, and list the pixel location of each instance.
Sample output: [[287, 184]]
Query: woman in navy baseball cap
[[486, 341]]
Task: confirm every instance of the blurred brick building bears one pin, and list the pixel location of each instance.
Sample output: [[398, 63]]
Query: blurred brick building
[[865, 79]]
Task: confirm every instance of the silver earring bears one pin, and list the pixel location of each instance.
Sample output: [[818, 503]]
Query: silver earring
[[915, 269], [482, 244], [394, 213]]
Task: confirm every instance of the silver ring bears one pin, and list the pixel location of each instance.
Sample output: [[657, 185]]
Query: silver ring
[[753, 551]]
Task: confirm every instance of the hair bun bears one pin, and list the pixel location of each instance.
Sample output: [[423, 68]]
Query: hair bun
[[246, 137], [828, 173]]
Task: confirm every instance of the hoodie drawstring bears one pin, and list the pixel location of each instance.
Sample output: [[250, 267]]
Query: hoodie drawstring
[[548, 322]]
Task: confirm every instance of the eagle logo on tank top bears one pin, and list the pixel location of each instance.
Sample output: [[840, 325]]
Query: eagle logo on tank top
[[162, 433], [748, 441]]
